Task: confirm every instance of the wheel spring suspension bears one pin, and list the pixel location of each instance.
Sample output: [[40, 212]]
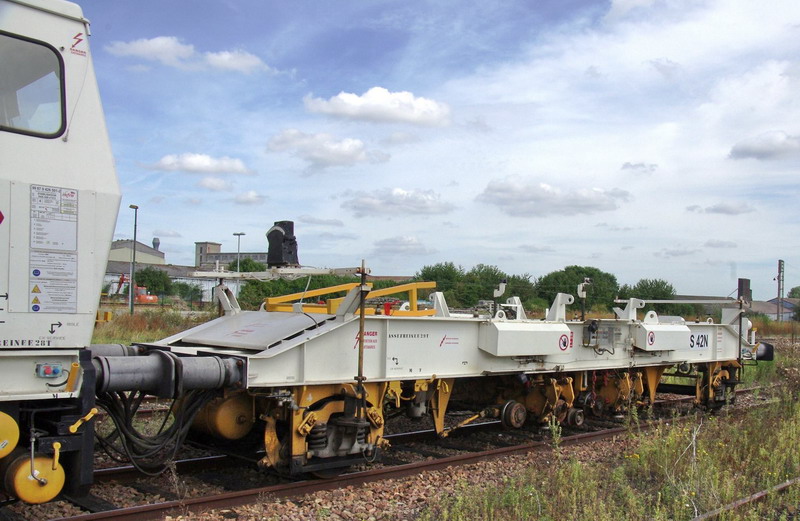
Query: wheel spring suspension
[[318, 437], [361, 436]]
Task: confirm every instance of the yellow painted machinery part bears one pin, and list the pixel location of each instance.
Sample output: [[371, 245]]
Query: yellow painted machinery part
[[72, 379], [535, 400], [439, 400], [272, 445], [637, 385], [302, 420], [9, 434], [230, 417], [652, 376], [543, 396], [18, 481], [283, 303], [567, 391], [394, 390], [704, 388], [75, 426], [617, 390]]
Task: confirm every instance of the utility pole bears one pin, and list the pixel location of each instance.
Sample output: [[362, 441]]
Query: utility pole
[[779, 278], [131, 292], [238, 250]]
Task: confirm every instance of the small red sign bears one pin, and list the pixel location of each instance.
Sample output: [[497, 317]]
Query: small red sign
[[1, 217]]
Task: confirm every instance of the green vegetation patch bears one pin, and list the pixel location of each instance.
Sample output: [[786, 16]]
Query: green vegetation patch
[[146, 326], [676, 471]]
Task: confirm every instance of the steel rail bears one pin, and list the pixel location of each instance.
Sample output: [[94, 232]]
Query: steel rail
[[298, 488], [752, 498], [129, 472], [239, 498]]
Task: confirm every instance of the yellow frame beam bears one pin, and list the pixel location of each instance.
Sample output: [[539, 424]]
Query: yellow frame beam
[[284, 302]]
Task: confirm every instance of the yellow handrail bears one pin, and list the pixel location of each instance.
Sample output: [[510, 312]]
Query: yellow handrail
[[283, 302]]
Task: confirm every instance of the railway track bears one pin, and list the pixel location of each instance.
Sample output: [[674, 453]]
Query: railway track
[[225, 480], [513, 443], [299, 488]]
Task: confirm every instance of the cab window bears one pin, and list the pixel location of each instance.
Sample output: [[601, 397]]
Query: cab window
[[31, 87]]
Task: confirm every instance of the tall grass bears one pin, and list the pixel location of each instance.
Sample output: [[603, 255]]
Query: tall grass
[[772, 328], [676, 471], [145, 326]]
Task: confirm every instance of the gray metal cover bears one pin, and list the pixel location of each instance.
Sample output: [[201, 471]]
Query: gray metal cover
[[255, 330]]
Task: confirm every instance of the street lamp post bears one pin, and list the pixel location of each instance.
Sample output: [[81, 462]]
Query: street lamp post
[[133, 257], [238, 250]]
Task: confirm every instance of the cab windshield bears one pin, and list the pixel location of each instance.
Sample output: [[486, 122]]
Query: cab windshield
[[31, 87]]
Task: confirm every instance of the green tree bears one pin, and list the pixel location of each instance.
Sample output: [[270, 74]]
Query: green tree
[[522, 286], [794, 292], [448, 278], [155, 280], [188, 292], [656, 289], [446, 275], [602, 292], [480, 283], [253, 292], [247, 265]]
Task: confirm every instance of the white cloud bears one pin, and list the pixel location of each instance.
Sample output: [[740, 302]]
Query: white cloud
[[666, 67], [167, 50], [238, 60], [249, 198], [395, 201], [640, 168], [170, 51], [770, 145], [201, 163], [532, 248], [400, 138], [621, 8], [334, 237], [716, 243], [675, 252], [722, 208], [166, 233], [380, 105], [614, 227], [400, 245], [324, 150], [310, 219], [215, 184], [522, 197]]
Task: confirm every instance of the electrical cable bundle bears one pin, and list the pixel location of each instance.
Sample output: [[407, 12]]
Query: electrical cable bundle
[[150, 454]]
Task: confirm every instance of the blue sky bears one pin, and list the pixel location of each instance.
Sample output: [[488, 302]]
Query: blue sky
[[651, 139]]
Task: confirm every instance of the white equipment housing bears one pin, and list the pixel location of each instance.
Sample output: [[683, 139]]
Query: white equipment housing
[[283, 348], [59, 194]]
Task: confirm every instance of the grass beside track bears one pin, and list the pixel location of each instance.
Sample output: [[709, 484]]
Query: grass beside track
[[673, 473], [145, 326]]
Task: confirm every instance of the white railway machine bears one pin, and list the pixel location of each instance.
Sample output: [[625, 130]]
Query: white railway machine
[[59, 199], [320, 379], [312, 384]]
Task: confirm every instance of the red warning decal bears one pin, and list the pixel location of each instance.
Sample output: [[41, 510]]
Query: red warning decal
[[1, 217], [563, 342]]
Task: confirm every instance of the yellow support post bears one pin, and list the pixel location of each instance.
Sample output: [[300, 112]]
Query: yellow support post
[[439, 400], [652, 376]]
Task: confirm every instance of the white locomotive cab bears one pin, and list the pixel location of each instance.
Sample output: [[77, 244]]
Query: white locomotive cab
[[59, 194]]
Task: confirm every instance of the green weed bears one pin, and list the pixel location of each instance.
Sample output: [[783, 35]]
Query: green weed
[[145, 326], [675, 471]]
